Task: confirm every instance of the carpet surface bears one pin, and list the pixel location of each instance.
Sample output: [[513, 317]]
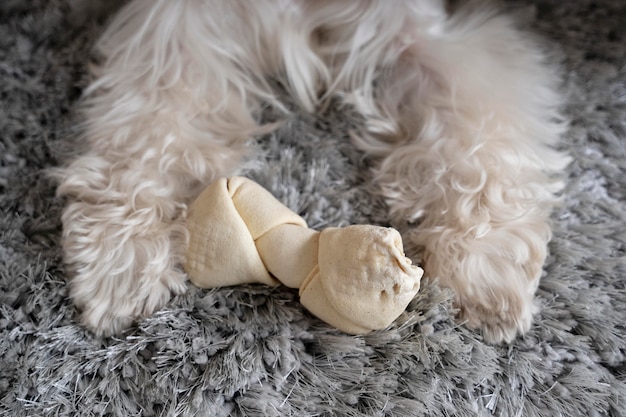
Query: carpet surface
[[254, 350]]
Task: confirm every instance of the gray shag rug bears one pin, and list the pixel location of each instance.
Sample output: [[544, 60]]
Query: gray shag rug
[[254, 350]]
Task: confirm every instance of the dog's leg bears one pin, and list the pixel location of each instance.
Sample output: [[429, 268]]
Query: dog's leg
[[171, 109], [464, 122]]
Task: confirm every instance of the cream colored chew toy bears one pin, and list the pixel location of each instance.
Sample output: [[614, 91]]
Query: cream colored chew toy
[[354, 278]]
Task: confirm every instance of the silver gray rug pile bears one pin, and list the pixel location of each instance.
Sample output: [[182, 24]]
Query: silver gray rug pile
[[254, 350]]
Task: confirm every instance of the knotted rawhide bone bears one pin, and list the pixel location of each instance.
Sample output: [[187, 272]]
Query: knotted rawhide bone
[[355, 278]]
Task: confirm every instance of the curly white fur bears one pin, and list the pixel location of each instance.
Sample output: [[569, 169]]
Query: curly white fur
[[460, 112]]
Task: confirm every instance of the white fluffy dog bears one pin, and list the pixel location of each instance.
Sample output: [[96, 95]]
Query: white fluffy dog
[[461, 115]]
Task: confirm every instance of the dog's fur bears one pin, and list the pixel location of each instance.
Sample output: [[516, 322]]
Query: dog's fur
[[460, 110]]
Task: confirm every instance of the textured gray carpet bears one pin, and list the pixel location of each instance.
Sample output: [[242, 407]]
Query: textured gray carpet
[[253, 350]]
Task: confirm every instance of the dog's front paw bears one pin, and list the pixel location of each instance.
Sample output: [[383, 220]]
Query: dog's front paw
[[494, 278], [123, 263], [109, 313], [501, 316]]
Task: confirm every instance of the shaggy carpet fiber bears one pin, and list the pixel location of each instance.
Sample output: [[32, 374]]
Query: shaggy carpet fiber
[[253, 350]]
